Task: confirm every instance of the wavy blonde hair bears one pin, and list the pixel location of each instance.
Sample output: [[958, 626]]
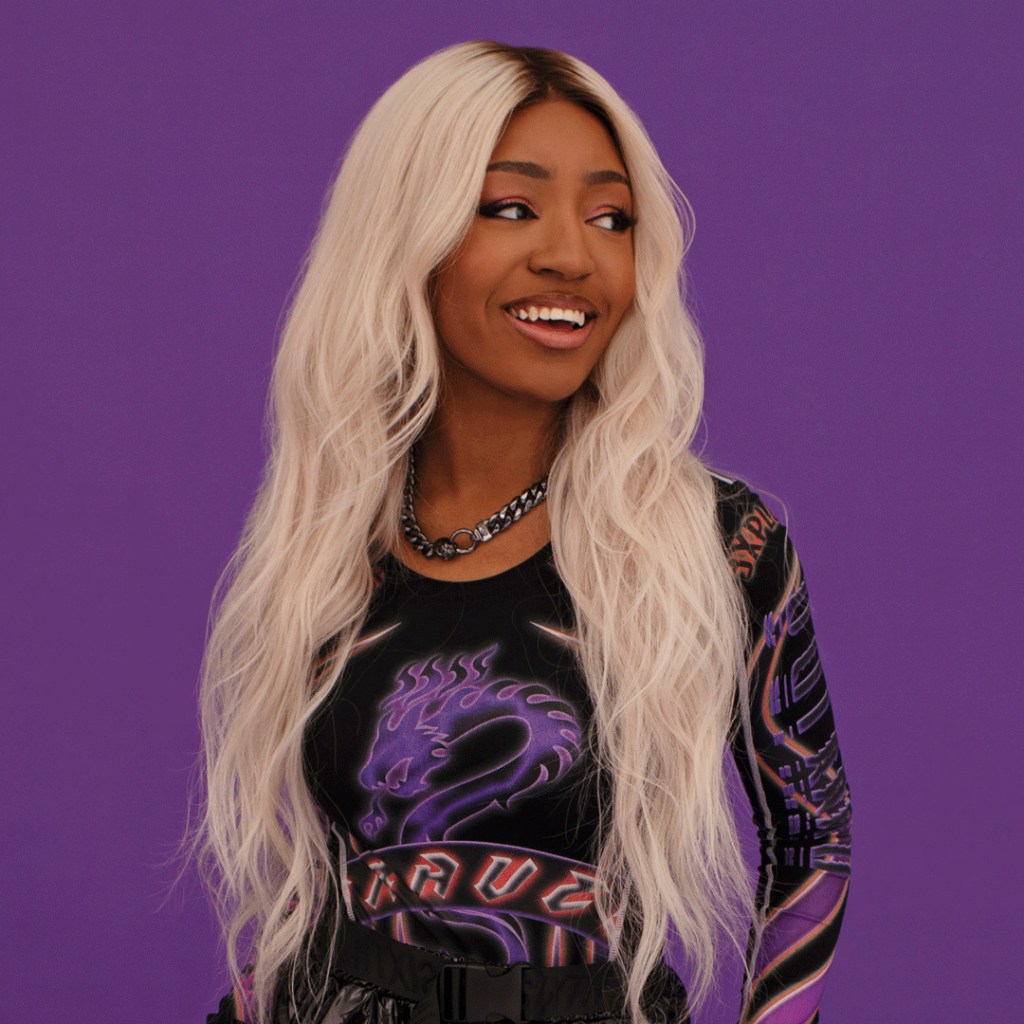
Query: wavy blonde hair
[[634, 534]]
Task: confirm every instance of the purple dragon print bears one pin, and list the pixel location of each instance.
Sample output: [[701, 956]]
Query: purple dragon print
[[455, 741]]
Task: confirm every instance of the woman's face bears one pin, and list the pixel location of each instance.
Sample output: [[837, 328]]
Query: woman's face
[[551, 246]]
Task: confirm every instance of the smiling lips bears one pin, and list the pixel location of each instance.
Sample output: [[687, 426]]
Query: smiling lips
[[555, 320]]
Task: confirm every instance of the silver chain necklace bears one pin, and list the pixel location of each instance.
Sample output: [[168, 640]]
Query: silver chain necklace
[[446, 548]]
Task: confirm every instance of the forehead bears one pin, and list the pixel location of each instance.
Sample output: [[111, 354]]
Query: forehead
[[557, 132]]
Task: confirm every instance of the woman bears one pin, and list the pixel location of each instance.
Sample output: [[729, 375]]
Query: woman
[[429, 760]]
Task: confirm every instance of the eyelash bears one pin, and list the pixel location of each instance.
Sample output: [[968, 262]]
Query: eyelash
[[623, 220]]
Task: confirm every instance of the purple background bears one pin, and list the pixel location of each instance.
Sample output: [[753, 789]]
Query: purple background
[[856, 178]]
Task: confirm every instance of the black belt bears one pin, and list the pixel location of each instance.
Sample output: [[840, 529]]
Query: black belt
[[446, 991]]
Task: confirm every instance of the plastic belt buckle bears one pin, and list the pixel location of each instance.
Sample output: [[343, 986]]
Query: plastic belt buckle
[[480, 993]]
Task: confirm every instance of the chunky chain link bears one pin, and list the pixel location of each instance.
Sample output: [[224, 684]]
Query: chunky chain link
[[446, 548]]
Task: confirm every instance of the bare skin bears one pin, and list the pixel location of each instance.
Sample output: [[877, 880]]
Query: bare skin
[[554, 229]]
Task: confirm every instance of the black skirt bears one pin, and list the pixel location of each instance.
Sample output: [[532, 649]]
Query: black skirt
[[361, 1003], [372, 979]]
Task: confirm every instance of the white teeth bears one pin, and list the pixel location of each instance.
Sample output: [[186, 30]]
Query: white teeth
[[573, 316]]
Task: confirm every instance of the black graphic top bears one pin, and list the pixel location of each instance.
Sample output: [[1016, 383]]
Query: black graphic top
[[451, 761]]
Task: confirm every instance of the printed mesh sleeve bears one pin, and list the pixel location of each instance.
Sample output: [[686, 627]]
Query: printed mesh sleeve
[[789, 760]]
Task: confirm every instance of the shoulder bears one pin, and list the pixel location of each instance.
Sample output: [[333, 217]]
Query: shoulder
[[759, 550], [749, 527]]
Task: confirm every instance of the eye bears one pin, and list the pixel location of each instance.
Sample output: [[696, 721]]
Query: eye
[[613, 220], [507, 209]]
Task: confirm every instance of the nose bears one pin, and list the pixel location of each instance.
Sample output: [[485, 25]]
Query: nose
[[561, 248]]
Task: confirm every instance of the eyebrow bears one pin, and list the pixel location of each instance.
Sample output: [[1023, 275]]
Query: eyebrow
[[532, 170]]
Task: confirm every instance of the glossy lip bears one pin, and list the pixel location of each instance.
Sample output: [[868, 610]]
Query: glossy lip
[[548, 337]]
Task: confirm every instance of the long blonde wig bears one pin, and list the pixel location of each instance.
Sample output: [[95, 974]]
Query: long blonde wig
[[634, 534]]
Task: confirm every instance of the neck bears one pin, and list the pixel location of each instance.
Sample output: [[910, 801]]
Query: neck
[[485, 450]]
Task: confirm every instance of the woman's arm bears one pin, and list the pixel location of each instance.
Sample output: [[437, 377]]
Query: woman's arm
[[789, 760]]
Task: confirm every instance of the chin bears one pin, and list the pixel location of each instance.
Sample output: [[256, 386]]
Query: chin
[[551, 392], [529, 383]]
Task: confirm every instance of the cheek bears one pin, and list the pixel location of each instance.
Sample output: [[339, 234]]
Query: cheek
[[625, 289], [461, 293], [619, 275], [629, 287]]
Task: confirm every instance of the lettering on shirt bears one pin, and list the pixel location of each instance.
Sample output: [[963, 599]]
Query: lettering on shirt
[[747, 543]]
